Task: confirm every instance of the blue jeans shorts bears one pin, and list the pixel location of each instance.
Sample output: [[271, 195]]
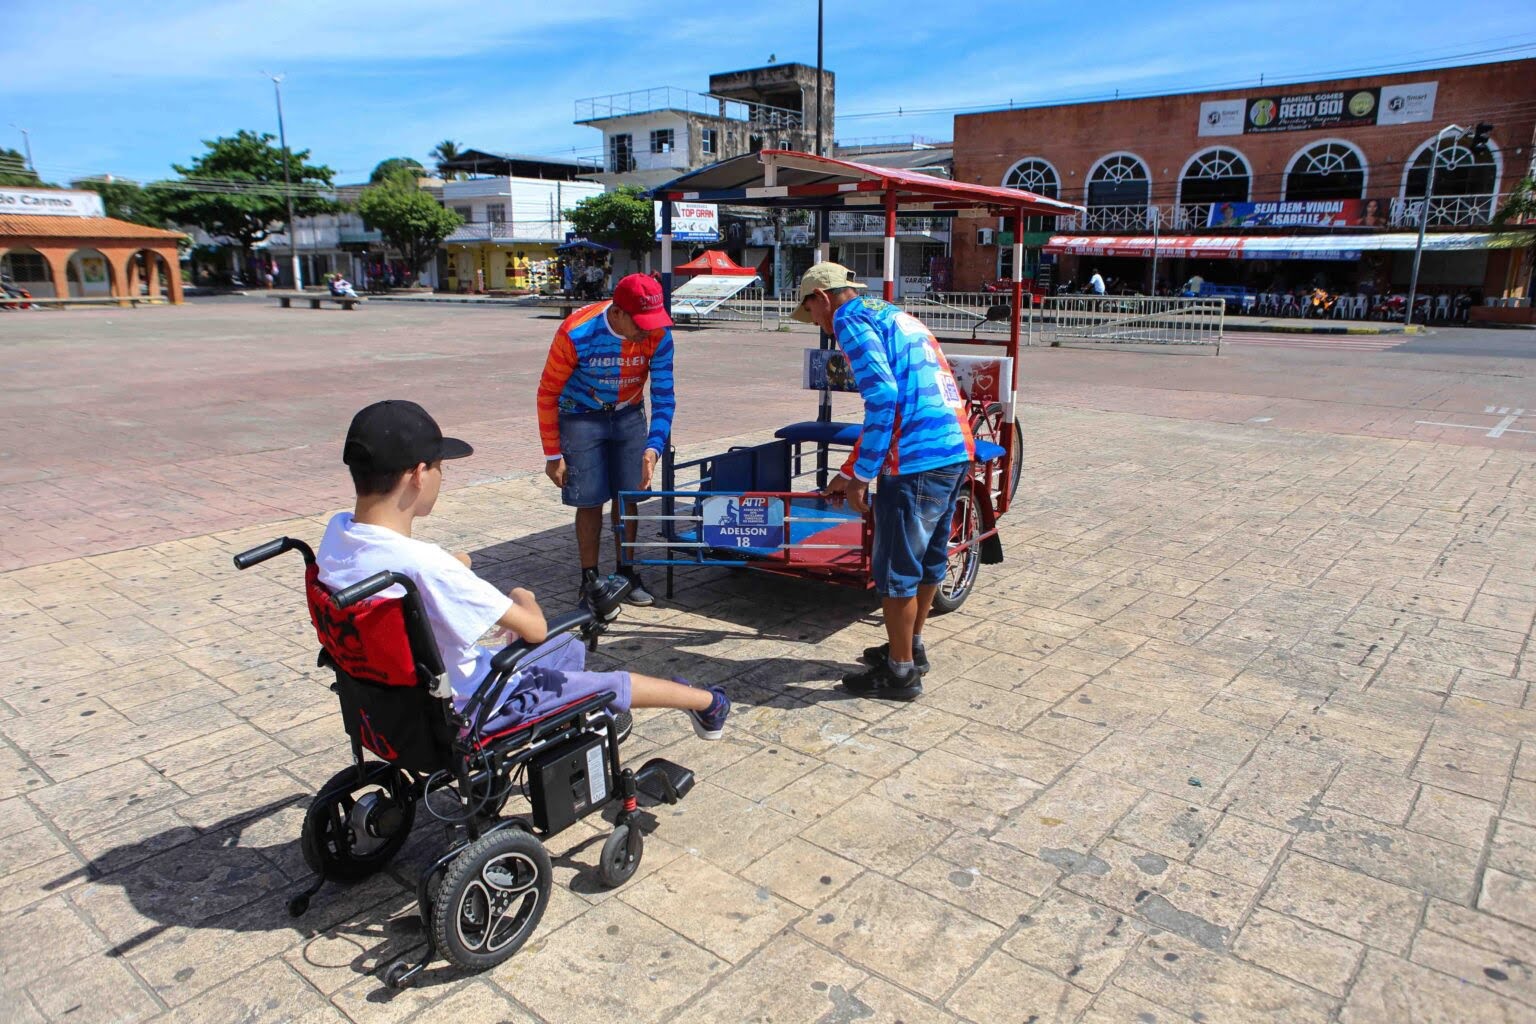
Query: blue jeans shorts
[[603, 452], [913, 516]]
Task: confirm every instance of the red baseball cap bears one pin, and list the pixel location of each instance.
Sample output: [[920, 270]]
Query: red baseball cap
[[640, 297]]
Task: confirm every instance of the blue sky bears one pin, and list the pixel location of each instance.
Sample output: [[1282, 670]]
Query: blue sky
[[128, 89]]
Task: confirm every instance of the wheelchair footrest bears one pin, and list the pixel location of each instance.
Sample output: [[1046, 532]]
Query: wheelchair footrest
[[663, 780]]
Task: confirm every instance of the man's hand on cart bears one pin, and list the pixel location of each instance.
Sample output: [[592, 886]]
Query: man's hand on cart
[[647, 468], [855, 492], [555, 470]]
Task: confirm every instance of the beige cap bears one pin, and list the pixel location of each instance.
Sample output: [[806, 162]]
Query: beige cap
[[826, 276]]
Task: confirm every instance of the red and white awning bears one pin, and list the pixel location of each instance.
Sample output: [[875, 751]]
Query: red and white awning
[[1337, 246]]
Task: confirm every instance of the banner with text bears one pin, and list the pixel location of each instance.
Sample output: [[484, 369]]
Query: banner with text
[[691, 222], [54, 203], [1310, 213], [1313, 111]]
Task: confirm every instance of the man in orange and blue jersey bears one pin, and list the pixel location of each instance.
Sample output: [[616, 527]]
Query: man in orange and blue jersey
[[591, 401], [917, 440]]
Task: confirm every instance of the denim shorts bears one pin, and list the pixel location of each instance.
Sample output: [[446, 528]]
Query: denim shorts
[[603, 453], [913, 516]]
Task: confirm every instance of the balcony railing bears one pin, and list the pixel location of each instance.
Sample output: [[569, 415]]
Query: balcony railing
[[1471, 211], [644, 101]]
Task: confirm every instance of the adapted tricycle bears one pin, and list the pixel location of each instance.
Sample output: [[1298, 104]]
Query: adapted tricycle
[[760, 507], [481, 900]]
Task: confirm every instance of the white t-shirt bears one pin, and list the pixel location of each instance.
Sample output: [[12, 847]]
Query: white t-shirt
[[460, 606]]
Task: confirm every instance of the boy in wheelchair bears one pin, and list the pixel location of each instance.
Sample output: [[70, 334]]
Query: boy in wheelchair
[[395, 452]]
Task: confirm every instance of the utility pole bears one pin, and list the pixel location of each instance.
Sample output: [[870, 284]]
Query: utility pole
[[26, 142], [1479, 142], [282, 140]]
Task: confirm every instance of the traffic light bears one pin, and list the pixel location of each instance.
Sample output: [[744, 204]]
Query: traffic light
[[1479, 142]]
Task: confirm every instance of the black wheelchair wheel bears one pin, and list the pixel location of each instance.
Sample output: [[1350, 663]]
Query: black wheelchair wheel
[[617, 865], [492, 898], [960, 576], [352, 830]]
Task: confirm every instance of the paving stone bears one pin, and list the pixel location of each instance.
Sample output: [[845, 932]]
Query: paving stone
[[1452, 817], [967, 794], [1241, 850], [1278, 786], [1006, 989], [722, 827], [1074, 939], [818, 793], [1165, 825], [1475, 764], [968, 889], [888, 1004], [68, 939], [1514, 849], [722, 913], [875, 832], [894, 931], [1009, 752], [612, 964], [1384, 796], [100, 991], [1298, 951], [788, 980], [1191, 980], [982, 856], [1389, 991], [271, 993], [1394, 854], [1356, 905], [1520, 805], [801, 873], [1117, 1006], [1509, 976], [1072, 813]]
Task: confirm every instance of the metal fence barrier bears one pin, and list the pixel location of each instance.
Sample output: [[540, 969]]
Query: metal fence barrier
[[1127, 320]]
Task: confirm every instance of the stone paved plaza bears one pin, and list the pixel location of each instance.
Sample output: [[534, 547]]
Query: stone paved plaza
[[1242, 730]]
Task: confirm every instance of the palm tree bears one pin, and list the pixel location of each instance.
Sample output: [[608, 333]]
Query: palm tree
[[1520, 209], [444, 153]]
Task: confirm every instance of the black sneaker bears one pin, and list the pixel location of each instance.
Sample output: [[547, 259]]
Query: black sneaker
[[623, 725], [638, 595], [882, 654], [882, 683]]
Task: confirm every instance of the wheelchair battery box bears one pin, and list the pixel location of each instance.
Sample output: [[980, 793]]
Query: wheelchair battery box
[[569, 781]]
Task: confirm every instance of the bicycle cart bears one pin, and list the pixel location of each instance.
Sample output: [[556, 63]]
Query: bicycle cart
[[759, 507]]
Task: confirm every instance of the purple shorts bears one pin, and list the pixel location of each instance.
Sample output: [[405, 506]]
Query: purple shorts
[[553, 676]]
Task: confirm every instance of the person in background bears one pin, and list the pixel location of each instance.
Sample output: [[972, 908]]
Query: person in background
[[341, 287], [1096, 283]]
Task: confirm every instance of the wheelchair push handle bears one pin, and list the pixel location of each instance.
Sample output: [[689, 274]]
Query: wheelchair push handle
[[271, 549], [370, 587]]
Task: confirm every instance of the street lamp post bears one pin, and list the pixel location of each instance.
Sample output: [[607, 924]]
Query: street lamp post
[[26, 142], [1429, 193], [282, 140]]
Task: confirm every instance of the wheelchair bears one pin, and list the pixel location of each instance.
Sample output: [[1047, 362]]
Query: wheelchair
[[482, 899]]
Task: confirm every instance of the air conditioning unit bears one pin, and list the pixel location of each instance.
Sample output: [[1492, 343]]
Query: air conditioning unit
[[984, 236]]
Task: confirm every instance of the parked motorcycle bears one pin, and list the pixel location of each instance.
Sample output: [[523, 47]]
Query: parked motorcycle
[[10, 290]]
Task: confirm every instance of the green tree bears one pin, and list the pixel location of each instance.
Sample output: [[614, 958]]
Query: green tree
[[623, 217], [443, 153], [235, 190], [125, 200], [411, 221], [1517, 211], [14, 171], [393, 164]]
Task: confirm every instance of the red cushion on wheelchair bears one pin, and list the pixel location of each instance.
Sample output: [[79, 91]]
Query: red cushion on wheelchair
[[366, 640]]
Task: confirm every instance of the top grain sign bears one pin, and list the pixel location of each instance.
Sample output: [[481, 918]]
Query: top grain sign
[[1312, 111]]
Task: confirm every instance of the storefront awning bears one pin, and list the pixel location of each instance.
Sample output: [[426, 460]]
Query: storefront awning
[[1281, 247]]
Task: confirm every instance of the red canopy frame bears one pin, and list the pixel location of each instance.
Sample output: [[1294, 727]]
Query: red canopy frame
[[782, 178]]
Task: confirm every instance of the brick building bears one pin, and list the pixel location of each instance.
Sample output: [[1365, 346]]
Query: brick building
[[1191, 175]]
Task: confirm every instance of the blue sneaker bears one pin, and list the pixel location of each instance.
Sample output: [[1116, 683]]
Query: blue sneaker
[[709, 725]]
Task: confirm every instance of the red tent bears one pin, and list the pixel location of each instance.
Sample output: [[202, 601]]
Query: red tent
[[713, 261]]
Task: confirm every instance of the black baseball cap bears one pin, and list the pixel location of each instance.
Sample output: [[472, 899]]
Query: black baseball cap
[[398, 435]]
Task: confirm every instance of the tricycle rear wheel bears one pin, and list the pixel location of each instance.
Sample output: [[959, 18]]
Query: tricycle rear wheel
[[960, 576]]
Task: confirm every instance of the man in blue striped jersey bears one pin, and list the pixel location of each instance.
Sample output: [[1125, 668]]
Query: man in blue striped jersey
[[917, 440]]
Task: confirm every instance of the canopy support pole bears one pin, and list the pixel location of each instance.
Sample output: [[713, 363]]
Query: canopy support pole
[[890, 244], [1009, 455], [824, 401], [666, 255]]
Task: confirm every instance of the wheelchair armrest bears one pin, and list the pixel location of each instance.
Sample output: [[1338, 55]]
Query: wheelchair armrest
[[271, 549], [509, 657], [373, 585]]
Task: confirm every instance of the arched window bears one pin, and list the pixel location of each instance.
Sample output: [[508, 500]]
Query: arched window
[[1120, 179], [1215, 176], [1034, 175], [1460, 172], [1326, 170]]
